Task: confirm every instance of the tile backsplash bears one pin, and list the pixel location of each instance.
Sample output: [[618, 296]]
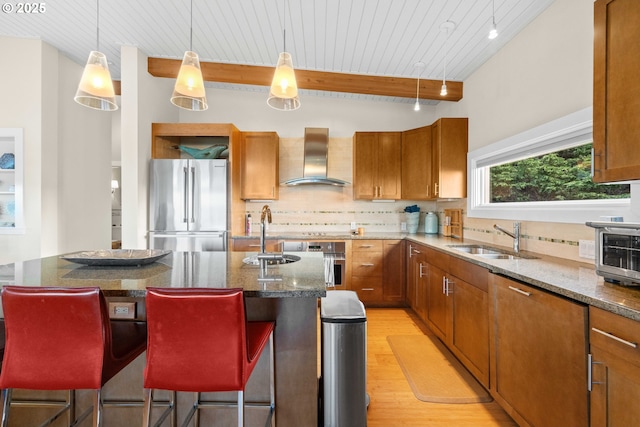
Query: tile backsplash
[[330, 209]]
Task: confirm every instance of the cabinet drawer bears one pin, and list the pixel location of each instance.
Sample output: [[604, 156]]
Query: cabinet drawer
[[614, 333], [366, 264], [369, 289], [253, 245], [366, 246]]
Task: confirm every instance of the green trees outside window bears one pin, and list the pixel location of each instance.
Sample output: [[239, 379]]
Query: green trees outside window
[[561, 175]]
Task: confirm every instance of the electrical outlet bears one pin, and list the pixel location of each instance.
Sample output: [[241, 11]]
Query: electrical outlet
[[403, 226], [122, 310], [587, 249], [353, 225]]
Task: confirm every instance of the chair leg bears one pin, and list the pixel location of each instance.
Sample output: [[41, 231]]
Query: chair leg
[[196, 421], [71, 415], [272, 380], [6, 398], [240, 408], [97, 408], [146, 411]]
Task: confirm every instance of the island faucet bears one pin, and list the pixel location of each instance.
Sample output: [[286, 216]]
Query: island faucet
[[265, 216], [515, 235]]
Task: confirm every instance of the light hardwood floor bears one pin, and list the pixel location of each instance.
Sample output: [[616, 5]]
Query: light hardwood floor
[[392, 401]]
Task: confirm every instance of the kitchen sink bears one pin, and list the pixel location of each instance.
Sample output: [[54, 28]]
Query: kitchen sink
[[273, 259], [489, 252]]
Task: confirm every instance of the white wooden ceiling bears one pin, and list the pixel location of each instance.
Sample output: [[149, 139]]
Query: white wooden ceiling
[[377, 37]]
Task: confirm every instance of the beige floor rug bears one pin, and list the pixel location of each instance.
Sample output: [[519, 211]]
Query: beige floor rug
[[433, 373]]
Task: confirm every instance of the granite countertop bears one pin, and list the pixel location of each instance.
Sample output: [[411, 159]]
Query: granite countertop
[[571, 279], [304, 278]]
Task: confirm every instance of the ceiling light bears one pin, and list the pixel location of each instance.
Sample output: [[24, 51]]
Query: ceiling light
[[446, 27], [95, 89], [493, 31], [189, 92], [284, 88], [420, 67]]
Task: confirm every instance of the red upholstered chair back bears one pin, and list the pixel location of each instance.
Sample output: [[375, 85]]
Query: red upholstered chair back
[[55, 339], [197, 339]]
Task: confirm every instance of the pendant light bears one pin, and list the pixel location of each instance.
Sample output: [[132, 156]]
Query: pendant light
[[445, 27], [493, 31], [189, 92], [95, 89], [420, 67], [284, 88]]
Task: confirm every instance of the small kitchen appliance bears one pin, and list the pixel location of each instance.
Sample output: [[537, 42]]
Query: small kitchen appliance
[[617, 256]]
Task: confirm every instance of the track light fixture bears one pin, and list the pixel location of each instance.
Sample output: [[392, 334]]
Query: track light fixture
[[493, 30]]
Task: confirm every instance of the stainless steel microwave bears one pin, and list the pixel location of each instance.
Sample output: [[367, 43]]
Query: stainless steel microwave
[[618, 252]]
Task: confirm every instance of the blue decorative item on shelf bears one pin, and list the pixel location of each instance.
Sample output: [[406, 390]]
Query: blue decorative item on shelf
[[7, 161], [212, 152]]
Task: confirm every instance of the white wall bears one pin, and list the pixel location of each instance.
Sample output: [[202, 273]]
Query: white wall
[[66, 179]]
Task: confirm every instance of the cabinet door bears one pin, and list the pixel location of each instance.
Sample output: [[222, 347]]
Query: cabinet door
[[259, 174], [449, 157], [615, 384], [365, 160], [469, 334], [393, 272], [616, 106], [437, 302], [538, 355], [389, 165], [416, 164], [413, 250]]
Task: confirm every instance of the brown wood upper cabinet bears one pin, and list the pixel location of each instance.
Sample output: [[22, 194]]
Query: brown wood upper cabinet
[[377, 162], [259, 170], [416, 164], [616, 105], [449, 142], [434, 160]]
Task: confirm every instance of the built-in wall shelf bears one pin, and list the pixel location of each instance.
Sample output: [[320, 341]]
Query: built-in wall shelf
[[11, 181]]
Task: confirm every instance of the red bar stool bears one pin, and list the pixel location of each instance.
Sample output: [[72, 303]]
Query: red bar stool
[[200, 341], [63, 339]]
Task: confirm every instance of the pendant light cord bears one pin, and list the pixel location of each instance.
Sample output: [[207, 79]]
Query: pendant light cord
[[284, 26], [98, 25], [191, 29]]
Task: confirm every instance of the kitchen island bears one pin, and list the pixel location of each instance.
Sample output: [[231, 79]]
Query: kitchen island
[[288, 294]]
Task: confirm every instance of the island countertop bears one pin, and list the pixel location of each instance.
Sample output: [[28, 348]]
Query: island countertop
[[304, 278]]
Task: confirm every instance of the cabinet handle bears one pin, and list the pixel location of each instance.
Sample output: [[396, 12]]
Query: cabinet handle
[[368, 289], [447, 289], [366, 246], [410, 251], [520, 291], [435, 189], [613, 337], [590, 364], [366, 265], [421, 275]]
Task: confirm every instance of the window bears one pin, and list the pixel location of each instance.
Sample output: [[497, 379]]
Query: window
[[543, 174]]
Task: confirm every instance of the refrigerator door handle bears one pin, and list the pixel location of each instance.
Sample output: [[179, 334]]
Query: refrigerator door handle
[[193, 193], [185, 205]]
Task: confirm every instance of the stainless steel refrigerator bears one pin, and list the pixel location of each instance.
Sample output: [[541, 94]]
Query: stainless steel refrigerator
[[188, 205]]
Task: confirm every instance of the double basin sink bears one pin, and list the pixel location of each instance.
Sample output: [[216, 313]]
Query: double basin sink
[[488, 252]]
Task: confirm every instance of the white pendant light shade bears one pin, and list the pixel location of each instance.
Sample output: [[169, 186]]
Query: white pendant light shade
[[189, 92], [284, 88], [493, 31], [96, 87], [443, 90]]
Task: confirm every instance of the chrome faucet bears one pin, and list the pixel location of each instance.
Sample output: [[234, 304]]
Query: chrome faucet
[[265, 216], [515, 235]]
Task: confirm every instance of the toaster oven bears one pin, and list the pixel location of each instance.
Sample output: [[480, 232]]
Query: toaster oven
[[617, 256]]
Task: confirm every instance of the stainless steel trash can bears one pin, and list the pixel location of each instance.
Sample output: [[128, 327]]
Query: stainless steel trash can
[[344, 360]]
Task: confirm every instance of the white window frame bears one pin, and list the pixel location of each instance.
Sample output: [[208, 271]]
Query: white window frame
[[553, 136]]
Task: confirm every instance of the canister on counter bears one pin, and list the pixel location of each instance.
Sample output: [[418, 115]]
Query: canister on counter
[[431, 223]]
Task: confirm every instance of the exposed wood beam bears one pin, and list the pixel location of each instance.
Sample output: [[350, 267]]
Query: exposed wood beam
[[313, 80]]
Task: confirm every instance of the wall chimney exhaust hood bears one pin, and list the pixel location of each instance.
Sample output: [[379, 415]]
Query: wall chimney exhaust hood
[[314, 170]]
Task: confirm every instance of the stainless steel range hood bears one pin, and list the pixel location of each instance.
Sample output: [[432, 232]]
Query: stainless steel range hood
[[314, 169]]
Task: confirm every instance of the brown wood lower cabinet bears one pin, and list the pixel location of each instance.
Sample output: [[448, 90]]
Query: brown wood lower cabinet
[[538, 355], [378, 271], [615, 367]]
